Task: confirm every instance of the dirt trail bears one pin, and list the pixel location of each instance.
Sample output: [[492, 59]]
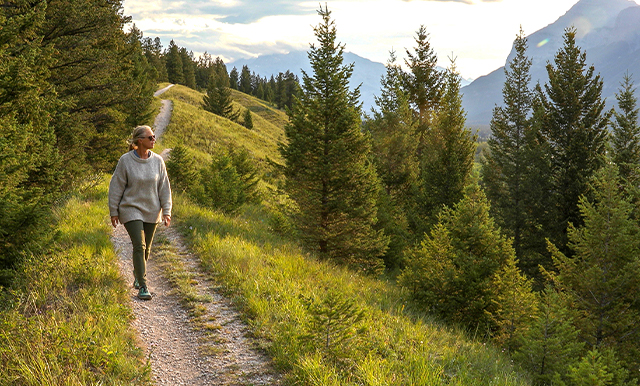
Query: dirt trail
[[178, 351]]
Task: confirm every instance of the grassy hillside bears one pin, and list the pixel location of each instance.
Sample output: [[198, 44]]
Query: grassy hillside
[[65, 321], [322, 324], [203, 131]]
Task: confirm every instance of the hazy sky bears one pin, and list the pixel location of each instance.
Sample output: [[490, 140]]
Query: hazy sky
[[478, 33]]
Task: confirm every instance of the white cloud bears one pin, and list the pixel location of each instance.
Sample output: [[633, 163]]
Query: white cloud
[[478, 33]]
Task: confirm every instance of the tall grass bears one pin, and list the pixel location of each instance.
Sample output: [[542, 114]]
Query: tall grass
[[66, 319], [204, 131], [274, 282]]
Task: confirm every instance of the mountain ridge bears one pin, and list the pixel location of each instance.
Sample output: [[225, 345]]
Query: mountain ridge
[[607, 30], [366, 73]]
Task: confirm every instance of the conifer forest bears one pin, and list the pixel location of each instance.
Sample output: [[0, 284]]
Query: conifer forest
[[531, 245]]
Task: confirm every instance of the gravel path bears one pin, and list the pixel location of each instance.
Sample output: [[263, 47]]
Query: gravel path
[[180, 353]]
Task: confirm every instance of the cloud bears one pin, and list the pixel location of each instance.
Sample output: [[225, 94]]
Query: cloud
[[229, 12], [456, 1]]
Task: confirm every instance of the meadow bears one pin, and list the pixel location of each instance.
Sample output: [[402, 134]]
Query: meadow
[[67, 319]]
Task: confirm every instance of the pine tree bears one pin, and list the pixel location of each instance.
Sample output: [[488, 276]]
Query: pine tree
[[234, 79], [153, 51], [425, 82], [218, 99], [511, 171], [144, 81], [327, 166], [598, 368], [394, 144], [30, 169], [93, 72], [602, 277], [245, 80], [550, 346], [574, 127], [183, 170], [248, 121], [229, 181], [188, 68], [448, 156], [625, 141], [175, 70], [451, 272], [514, 305], [333, 328]]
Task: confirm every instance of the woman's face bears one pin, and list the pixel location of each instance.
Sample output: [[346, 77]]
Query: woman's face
[[148, 140]]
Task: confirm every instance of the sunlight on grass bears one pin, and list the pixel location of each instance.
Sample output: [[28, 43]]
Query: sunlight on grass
[[269, 277], [66, 321], [204, 131]]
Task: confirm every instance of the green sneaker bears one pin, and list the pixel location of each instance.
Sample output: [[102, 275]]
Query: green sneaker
[[136, 285], [144, 294]]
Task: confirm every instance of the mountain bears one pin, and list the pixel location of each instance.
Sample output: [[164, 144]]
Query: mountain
[[609, 32], [365, 72]]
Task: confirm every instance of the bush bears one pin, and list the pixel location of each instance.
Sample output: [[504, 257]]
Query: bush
[[227, 182]]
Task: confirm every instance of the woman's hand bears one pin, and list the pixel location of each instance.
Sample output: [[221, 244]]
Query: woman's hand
[[166, 220], [115, 220]]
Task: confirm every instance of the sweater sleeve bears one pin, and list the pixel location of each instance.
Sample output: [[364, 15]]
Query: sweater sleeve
[[164, 190], [116, 188]]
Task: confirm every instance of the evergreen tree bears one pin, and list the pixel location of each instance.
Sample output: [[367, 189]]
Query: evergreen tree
[[574, 128], [451, 272], [175, 70], [234, 79], [511, 171], [602, 278], [29, 162], [448, 155], [598, 368], [394, 143], [327, 167], [271, 91], [625, 141], [218, 99], [204, 69], [93, 72], [183, 170], [425, 82], [550, 346], [153, 51], [514, 305], [144, 81], [188, 68], [248, 121], [245, 80], [229, 181]]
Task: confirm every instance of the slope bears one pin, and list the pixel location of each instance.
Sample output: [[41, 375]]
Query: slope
[[203, 131], [284, 291]]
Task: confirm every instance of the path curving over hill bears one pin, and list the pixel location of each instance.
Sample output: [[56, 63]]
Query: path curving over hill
[[181, 349], [164, 117]]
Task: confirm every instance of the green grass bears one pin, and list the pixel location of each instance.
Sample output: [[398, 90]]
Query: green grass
[[204, 131], [269, 277], [274, 282], [66, 320]]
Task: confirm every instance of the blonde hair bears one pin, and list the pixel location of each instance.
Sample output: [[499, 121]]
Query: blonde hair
[[137, 133]]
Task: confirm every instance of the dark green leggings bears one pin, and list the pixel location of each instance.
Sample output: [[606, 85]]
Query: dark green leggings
[[141, 234]]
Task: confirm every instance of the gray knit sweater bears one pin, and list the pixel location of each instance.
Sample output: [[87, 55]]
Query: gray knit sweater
[[139, 189]]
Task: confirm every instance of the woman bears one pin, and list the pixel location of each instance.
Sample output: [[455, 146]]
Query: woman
[[139, 198]]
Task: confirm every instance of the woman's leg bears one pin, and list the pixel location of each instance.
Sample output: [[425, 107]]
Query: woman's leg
[[135, 229], [149, 231]]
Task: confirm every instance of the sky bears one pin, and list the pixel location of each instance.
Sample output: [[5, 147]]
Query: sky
[[477, 33]]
